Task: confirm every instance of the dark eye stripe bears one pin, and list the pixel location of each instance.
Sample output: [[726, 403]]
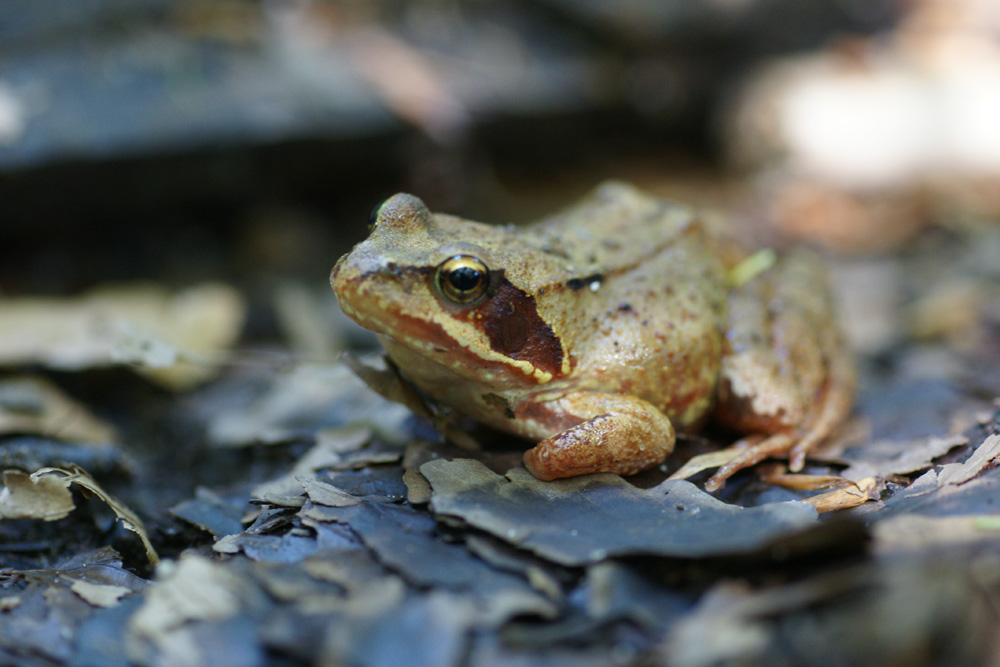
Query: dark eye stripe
[[511, 322]]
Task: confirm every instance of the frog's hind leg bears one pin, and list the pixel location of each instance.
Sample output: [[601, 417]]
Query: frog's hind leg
[[786, 377], [612, 433], [834, 408]]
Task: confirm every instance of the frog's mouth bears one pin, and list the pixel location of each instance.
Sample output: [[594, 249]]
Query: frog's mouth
[[367, 299]]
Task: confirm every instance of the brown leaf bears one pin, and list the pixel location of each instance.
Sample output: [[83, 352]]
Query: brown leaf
[[99, 595], [35, 406], [26, 496], [167, 335], [954, 474], [45, 495]]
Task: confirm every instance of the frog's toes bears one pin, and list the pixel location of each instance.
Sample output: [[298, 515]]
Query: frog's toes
[[629, 436]]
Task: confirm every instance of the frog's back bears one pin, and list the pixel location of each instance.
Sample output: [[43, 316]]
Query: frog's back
[[643, 305], [609, 229]]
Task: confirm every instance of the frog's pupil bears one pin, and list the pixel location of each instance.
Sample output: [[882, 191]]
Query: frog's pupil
[[464, 278]]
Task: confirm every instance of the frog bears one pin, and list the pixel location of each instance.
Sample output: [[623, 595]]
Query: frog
[[603, 331]]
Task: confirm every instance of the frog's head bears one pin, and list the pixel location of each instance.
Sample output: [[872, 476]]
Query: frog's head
[[438, 286]]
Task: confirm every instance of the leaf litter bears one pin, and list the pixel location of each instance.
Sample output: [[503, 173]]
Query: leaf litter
[[549, 567], [171, 338], [588, 519], [435, 591], [355, 538], [45, 495]]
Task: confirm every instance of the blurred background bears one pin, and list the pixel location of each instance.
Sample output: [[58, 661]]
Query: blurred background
[[177, 178], [246, 141]]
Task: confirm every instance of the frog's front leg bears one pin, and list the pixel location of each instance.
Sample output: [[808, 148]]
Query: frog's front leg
[[614, 433]]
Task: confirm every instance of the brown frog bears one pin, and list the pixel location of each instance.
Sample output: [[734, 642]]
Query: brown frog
[[598, 331]]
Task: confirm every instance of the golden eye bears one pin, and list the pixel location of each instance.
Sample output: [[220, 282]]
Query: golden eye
[[462, 279]]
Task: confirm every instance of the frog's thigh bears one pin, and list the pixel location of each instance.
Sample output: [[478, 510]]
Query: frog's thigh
[[619, 433], [786, 371]]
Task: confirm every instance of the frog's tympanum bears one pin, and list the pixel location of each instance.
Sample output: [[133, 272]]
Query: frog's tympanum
[[600, 330]]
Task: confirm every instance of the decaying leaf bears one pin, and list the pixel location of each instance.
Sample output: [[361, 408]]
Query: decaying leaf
[[850, 495], [170, 336], [45, 495], [405, 541], [99, 595], [410, 83], [327, 494], [382, 376], [326, 453], [587, 519], [878, 615], [616, 591], [287, 548], [31, 452], [418, 489], [31, 405], [423, 631], [898, 457], [192, 589], [719, 630], [954, 474], [304, 319], [302, 403], [211, 512]]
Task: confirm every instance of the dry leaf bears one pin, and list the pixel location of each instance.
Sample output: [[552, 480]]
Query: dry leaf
[[586, 519], [852, 495], [409, 83], [954, 474], [304, 319], [138, 324], [718, 631], [898, 457], [192, 589], [382, 376], [99, 595], [45, 495], [30, 405], [294, 404], [324, 454], [327, 494], [984, 456], [26, 497]]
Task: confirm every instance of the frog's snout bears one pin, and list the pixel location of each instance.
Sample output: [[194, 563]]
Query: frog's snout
[[335, 272]]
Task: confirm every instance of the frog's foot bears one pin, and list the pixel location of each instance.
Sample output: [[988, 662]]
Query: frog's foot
[[831, 409], [747, 453], [616, 433], [743, 454]]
